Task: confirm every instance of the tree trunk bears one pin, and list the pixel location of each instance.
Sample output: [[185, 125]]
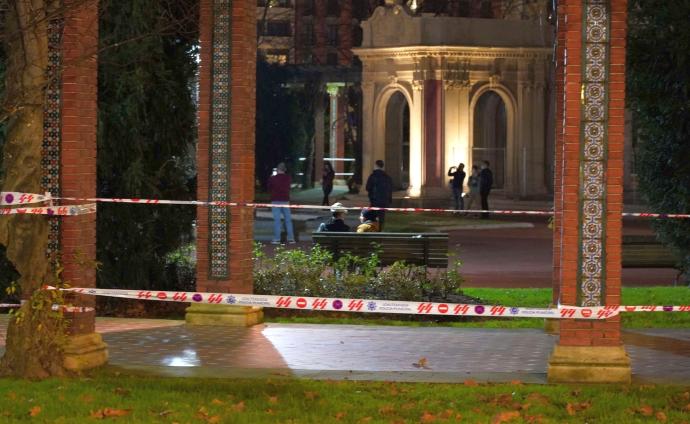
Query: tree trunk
[[26, 236]]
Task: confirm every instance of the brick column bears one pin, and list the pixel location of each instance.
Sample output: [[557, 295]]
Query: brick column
[[345, 33], [78, 121], [225, 157], [591, 189]]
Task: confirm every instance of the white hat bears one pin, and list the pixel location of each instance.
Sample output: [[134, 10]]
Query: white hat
[[338, 207]]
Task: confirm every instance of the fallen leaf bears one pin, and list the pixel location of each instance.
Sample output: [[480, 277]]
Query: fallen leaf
[[504, 417], [422, 363], [687, 407], [387, 410], [269, 411], [534, 419], [446, 414], [538, 398], [217, 402], [239, 406], [202, 413], [34, 411], [311, 395], [365, 420], [646, 410], [86, 398], [427, 417], [273, 400], [214, 419], [573, 408], [661, 417], [517, 383], [471, 383], [340, 415], [109, 412]]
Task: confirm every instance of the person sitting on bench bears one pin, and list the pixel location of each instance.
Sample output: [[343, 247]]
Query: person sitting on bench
[[369, 222], [337, 222]]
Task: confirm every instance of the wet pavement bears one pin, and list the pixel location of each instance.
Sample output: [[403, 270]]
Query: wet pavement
[[172, 348]]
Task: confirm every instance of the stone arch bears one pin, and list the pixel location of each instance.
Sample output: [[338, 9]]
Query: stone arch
[[394, 96], [511, 170]]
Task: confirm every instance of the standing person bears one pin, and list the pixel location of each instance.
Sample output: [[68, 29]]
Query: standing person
[[473, 184], [457, 183], [327, 182], [337, 222], [279, 187], [486, 181], [369, 221], [380, 190]]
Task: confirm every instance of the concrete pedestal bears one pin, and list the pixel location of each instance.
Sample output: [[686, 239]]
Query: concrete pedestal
[[224, 315], [85, 351], [589, 364]]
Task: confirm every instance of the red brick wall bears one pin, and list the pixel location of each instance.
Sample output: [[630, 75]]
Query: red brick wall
[[78, 148], [345, 29], [433, 133], [592, 333], [241, 166]]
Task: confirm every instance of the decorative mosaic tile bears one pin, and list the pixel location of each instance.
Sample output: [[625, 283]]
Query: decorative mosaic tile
[[219, 184], [593, 158], [50, 149]]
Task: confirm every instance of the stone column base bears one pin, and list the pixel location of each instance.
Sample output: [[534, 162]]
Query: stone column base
[[589, 364], [85, 351], [224, 315], [552, 326]]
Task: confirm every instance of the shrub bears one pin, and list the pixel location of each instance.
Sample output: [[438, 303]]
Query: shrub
[[315, 273]]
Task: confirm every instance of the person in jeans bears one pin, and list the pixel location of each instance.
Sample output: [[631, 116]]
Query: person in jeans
[[279, 187], [457, 183]]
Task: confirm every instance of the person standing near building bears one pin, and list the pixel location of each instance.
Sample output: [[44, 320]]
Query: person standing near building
[[457, 184], [486, 181], [473, 184], [279, 186], [327, 182], [380, 190]]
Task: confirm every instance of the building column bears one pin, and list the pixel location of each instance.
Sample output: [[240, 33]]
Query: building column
[[72, 109], [456, 103], [433, 162], [368, 130], [416, 139], [591, 187], [225, 158], [336, 128], [319, 135]]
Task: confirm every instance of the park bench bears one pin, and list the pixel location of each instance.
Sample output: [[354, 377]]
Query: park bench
[[425, 249], [645, 251]]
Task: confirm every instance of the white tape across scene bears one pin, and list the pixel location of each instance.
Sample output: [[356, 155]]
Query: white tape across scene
[[17, 198], [73, 210], [377, 306]]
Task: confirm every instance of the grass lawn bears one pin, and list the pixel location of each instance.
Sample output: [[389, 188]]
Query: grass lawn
[[430, 222], [535, 298], [138, 399]]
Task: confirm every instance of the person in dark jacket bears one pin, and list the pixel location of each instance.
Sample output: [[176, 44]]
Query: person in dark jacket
[[337, 222], [279, 187], [457, 184], [369, 221], [380, 190], [486, 181], [327, 181]]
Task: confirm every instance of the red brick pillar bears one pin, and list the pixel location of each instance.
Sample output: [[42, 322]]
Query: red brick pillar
[[320, 38], [345, 28], [591, 188], [78, 94], [225, 156]]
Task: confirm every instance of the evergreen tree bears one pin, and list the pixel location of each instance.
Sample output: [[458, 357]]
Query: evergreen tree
[[659, 95], [147, 131]]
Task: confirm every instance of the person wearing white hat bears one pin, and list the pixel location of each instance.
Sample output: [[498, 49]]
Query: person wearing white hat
[[337, 222]]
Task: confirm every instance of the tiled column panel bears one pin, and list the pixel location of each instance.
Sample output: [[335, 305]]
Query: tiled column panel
[[591, 171], [225, 151]]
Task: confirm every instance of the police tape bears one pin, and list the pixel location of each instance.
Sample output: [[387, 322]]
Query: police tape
[[10, 305], [72, 210], [27, 198], [377, 306]]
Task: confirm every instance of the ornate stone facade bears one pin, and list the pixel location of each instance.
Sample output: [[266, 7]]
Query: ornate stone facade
[[403, 52]]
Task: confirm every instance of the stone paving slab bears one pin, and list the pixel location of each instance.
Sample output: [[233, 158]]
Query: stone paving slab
[[171, 348]]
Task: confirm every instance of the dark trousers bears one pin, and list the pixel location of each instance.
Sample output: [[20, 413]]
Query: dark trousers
[[326, 192], [382, 217], [485, 204]]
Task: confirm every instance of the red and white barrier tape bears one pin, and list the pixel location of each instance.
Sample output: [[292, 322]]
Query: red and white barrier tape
[[72, 210], [377, 306], [10, 305], [27, 198]]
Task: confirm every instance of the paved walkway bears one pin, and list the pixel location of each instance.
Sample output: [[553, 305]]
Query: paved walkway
[[365, 352]]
